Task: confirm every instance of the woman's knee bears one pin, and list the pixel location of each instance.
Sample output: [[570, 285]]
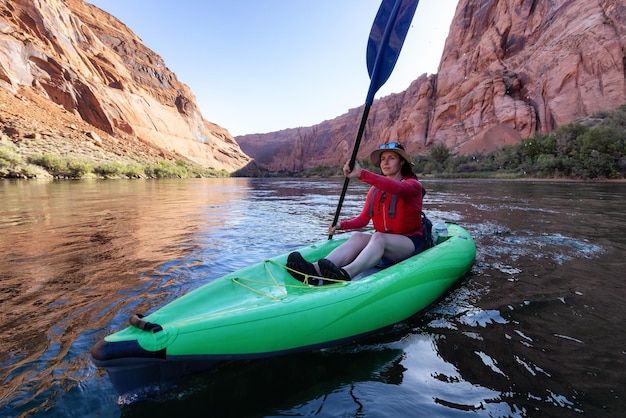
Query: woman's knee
[[379, 236], [360, 238], [378, 239]]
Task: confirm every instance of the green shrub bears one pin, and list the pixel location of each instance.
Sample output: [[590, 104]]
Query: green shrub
[[165, 169], [61, 167], [53, 164], [8, 158], [439, 153], [109, 169], [133, 170], [78, 168]]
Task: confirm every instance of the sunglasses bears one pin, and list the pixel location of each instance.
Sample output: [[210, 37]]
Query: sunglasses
[[391, 145]]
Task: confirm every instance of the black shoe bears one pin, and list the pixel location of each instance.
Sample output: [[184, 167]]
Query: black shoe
[[299, 267], [330, 271]]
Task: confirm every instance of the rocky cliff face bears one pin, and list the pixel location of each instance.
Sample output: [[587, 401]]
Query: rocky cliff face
[[98, 74], [510, 68]]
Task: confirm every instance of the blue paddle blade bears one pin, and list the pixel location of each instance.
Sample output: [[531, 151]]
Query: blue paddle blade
[[387, 36]]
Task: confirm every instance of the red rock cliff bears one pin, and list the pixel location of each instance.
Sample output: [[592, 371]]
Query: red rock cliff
[[93, 67], [510, 68]]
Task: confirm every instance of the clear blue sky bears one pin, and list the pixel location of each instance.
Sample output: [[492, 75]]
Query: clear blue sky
[[259, 66]]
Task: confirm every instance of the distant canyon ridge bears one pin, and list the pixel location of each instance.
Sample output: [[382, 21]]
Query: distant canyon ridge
[[76, 78]]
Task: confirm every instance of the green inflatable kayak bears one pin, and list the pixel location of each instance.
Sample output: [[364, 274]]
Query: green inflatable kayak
[[262, 311]]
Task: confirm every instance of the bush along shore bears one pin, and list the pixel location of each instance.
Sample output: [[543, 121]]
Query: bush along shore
[[591, 148]]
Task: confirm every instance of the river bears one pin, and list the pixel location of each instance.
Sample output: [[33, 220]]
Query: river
[[535, 328]]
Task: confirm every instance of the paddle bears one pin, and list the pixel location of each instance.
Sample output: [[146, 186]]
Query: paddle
[[383, 48]]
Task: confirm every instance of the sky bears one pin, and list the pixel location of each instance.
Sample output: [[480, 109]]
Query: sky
[[258, 66]]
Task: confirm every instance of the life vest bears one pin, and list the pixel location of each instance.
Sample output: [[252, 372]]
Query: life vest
[[391, 213], [392, 205]]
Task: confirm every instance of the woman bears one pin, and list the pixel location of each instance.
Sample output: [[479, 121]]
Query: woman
[[394, 204]]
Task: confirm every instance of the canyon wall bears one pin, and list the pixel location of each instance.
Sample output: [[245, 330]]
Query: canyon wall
[[72, 61], [509, 69]]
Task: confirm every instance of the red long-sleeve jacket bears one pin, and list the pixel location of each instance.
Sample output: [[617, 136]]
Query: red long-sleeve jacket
[[406, 220]]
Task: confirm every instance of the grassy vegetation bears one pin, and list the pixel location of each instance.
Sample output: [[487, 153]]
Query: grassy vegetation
[[593, 148], [12, 165]]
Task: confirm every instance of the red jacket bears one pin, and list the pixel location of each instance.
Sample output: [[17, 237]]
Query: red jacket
[[408, 205]]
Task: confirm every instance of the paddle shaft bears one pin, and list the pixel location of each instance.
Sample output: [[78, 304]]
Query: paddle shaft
[[355, 150]]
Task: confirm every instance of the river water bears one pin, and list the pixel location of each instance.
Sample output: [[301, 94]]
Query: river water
[[535, 329]]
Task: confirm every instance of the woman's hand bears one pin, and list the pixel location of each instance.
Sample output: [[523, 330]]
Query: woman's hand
[[356, 171], [332, 229]]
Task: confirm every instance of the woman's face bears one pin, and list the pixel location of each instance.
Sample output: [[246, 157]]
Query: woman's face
[[390, 163]]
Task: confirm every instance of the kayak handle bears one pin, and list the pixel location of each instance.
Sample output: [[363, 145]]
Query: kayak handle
[[136, 321]]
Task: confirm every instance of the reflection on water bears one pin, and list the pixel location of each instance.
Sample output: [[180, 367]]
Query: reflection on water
[[533, 330], [275, 387]]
